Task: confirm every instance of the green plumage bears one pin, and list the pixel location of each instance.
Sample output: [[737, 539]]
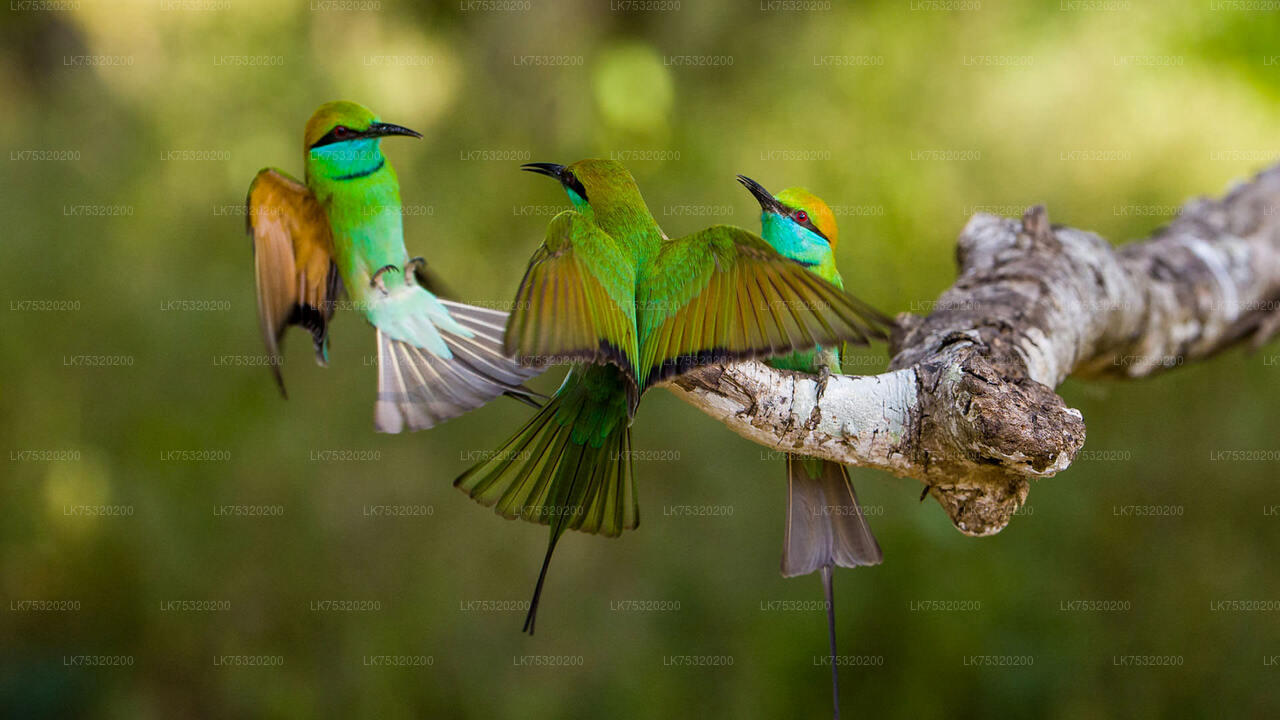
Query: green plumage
[[609, 291], [343, 229], [825, 525]]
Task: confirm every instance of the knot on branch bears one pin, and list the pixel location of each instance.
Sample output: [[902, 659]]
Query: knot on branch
[[1014, 423], [979, 511], [986, 432]]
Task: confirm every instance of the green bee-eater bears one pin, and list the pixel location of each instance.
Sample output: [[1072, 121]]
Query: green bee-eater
[[825, 525], [343, 228], [609, 291]]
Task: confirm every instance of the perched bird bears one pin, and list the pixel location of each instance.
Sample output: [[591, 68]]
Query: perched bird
[[343, 228], [825, 525], [629, 307]]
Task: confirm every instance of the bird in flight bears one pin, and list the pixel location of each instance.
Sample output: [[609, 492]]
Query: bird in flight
[[342, 229]]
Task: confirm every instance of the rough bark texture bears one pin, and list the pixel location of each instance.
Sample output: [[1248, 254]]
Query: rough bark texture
[[968, 405]]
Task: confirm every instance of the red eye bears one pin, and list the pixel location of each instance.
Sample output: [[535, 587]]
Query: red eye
[[341, 131], [801, 216]]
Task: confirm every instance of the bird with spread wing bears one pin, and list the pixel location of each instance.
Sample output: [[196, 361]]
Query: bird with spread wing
[[629, 307], [343, 229]]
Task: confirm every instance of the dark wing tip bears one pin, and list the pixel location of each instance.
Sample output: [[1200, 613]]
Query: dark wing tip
[[275, 370], [527, 396]]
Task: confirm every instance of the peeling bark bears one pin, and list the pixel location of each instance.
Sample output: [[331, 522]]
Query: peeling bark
[[967, 405]]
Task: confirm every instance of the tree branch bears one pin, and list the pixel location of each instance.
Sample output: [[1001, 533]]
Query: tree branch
[[967, 405]]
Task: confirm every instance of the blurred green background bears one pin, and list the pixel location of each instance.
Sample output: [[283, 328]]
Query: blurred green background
[[155, 116]]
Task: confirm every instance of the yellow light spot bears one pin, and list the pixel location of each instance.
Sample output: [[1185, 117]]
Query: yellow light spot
[[74, 493], [633, 88]]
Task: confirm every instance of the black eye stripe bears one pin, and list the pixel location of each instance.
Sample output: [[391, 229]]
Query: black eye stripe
[[808, 223], [816, 231], [334, 136], [572, 182], [330, 138]]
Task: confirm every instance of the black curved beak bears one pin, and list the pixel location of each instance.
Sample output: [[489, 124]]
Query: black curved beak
[[767, 202], [551, 170], [384, 129]]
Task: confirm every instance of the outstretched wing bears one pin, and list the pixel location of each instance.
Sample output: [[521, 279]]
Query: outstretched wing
[[724, 295], [576, 302], [297, 281]]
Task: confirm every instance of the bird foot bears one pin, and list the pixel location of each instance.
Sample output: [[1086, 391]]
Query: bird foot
[[824, 375], [412, 265], [377, 282]]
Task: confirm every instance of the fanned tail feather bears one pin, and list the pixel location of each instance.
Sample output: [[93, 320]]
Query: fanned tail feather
[[418, 388], [825, 524], [569, 467]]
